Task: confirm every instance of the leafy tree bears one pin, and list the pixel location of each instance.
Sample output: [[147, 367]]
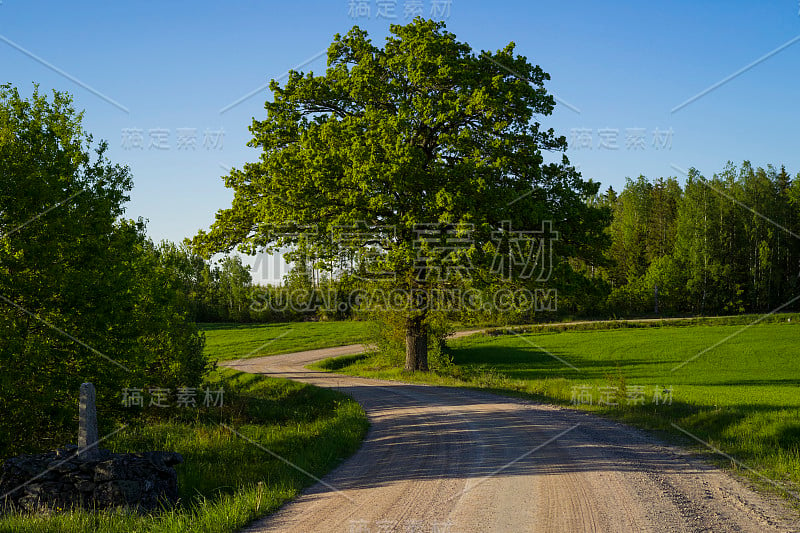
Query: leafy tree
[[420, 133], [665, 198], [82, 292], [191, 275], [642, 232], [629, 230], [735, 240], [792, 260], [236, 285]]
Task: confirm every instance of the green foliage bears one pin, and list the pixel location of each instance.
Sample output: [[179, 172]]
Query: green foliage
[[420, 132], [226, 481], [235, 286], [639, 295], [643, 227], [223, 290], [84, 293], [728, 244], [214, 292]]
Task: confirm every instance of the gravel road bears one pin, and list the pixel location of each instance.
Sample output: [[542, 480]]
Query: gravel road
[[448, 460]]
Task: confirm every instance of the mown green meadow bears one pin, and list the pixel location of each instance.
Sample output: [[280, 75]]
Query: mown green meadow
[[735, 387], [226, 341], [739, 391]]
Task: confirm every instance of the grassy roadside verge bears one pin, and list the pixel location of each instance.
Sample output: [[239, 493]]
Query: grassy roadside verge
[[225, 480], [739, 390]]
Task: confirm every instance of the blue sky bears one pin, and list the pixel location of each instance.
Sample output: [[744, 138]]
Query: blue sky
[[166, 74]]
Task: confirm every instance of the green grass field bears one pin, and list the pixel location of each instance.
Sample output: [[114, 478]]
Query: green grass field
[[226, 480], [235, 341], [741, 395], [740, 392]]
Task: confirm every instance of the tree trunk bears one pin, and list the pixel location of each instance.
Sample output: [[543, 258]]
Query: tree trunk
[[416, 345]]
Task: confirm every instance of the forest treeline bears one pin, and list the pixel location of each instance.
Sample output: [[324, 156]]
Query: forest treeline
[[726, 244]]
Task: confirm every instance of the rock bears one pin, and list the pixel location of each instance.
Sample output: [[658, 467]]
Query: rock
[[85, 486], [109, 470], [139, 481], [88, 435]]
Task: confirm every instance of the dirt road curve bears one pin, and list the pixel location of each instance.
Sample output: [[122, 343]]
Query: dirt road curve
[[448, 460]]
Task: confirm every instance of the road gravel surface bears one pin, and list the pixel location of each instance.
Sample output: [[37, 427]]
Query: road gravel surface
[[449, 460]]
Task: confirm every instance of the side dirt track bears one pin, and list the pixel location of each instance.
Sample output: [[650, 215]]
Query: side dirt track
[[450, 460]]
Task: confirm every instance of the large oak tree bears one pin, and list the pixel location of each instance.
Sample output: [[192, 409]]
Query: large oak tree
[[423, 132]]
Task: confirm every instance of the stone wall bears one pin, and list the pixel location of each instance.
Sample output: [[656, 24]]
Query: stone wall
[[63, 479]]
